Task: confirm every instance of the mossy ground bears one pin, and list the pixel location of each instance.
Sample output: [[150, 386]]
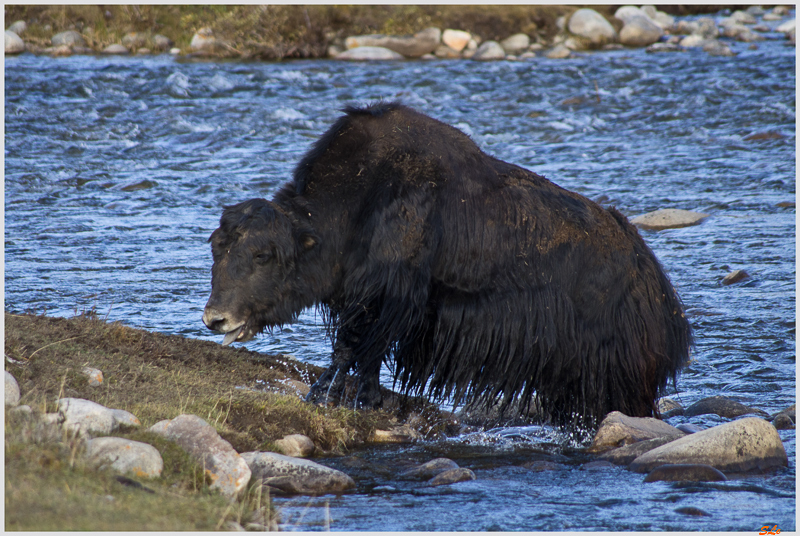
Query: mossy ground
[[155, 377]]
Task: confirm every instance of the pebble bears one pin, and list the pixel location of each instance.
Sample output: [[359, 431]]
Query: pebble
[[668, 218], [125, 456], [740, 446], [722, 406], [685, 473], [734, 277], [296, 475], [715, 48], [369, 53], [669, 408], [12, 395], [93, 375], [618, 429], [228, 471], [452, 476], [116, 49], [516, 44], [296, 446], [558, 52]]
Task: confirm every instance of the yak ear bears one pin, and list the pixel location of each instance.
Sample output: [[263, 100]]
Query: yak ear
[[307, 239]]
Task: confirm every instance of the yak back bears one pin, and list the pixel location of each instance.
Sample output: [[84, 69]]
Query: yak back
[[487, 280]]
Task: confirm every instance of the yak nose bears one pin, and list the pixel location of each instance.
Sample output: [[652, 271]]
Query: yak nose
[[214, 319]]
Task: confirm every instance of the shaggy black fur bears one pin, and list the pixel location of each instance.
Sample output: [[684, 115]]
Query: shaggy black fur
[[471, 277]]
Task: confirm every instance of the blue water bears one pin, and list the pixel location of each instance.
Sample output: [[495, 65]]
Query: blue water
[[116, 171]]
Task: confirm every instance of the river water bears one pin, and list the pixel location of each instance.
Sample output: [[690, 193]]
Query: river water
[[116, 171]]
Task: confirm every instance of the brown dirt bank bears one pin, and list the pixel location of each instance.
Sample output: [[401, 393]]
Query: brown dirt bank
[[247, 396], [292, 31]]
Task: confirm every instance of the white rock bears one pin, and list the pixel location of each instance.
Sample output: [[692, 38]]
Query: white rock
[[115, 49], [95, 376], [203, 40], [668, 218], [456, 39], [227, 470], [14, 44], [125, 456], [592, 25], [625, 13], [694, 40], [744, 445], [716, 48], [83, 416], [370, 54], [124, 418], [516, 44], [11, 390], [296, 446], [296, 475], [743, 17], [640, 31], [489, 50], [664, 20], [786, 27]]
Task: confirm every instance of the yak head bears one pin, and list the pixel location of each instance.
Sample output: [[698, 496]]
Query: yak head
[[256, 251]]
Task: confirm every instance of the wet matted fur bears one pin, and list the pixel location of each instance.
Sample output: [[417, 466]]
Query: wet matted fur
[[473, 278]]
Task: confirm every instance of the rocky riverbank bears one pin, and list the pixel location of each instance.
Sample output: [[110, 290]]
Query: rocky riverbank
[[381, 32], [109, 413]]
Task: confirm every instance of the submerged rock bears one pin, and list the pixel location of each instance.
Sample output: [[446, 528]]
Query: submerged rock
[[625, 455], [452, 476], [735, 277], [744, 445], [296, 475], [430, 469], [669, 408], [684, 473], [618, 429], [722, 406]]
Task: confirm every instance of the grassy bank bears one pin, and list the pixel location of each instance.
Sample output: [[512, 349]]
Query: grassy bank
[[248, 397], [290, 31]]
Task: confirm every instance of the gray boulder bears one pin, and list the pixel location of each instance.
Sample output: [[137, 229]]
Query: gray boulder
[[228, 471], [744, 445], [369, 53], [134, 40], [722, 406], [115, 50], [669, 408], [85, 416], [640, 31], [558, 52], [295, 475], [592, 25], [14, 44], [203, 41], [162, 42], [69, 38], [715, 48], [124, 456], [618, 429], [668, 218], [421, 43], [452, 476], [489, 50], [685, 473], [11, 390], [735, 277]]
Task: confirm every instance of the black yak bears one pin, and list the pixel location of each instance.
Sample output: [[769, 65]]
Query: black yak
[[470, 277]]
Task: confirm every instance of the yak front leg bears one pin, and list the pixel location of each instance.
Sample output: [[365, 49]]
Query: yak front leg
[[329, 387]]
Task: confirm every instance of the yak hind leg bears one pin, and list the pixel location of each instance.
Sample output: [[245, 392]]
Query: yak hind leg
[[369, 395], [329, 388]]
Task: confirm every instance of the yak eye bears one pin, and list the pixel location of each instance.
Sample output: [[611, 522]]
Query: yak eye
[[263, 257]]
